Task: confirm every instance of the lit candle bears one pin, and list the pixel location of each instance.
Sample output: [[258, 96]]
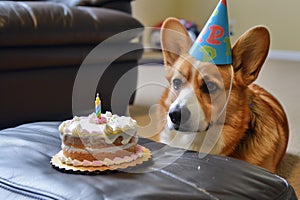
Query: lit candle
[[98, 106]]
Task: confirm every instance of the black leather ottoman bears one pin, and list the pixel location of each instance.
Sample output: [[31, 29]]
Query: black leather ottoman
[[26, 173]]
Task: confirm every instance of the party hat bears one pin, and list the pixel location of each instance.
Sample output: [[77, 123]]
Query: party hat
[[213, 43]]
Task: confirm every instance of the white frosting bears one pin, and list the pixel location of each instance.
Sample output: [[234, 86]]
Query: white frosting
[[114, 127], [120, 124]]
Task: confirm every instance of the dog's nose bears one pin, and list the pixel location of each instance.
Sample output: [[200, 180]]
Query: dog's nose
[[179, 115]]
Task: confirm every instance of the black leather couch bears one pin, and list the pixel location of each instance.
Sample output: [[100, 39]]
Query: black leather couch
[[26, 173], [43, 44]]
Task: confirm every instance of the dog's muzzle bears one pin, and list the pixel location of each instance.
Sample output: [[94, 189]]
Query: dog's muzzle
[[179, 116], [181, 120]]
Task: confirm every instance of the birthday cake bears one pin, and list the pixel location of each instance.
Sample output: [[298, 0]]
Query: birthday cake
[[99, 141]]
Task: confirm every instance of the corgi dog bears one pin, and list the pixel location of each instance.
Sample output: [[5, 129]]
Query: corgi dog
[[218, 109]]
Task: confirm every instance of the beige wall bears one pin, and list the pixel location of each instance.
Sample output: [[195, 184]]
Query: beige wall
[[282, 17]]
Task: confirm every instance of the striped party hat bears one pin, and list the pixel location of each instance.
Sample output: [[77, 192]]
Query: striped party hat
[[213, 43]]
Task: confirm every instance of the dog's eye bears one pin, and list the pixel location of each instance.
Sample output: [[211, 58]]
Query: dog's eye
[[177, 83], [209, 87]]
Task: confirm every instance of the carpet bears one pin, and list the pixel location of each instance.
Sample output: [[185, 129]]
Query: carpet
[[290, 170]]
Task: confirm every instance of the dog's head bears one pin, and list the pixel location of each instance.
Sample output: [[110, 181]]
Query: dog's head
[[199, 91]]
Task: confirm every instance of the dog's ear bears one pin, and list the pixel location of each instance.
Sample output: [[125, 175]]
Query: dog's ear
[[249, 54], [175, 40]]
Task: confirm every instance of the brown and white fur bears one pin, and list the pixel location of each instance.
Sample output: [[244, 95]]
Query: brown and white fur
[[253, 126]]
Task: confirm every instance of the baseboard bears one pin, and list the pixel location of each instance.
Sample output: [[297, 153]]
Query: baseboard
[[284, 55]]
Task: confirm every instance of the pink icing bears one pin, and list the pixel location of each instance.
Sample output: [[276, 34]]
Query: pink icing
[[86, 163], [76, 163], [127, 158], [139, 149], [98, 163], [118, 160], [101, 120], [134, 156]]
